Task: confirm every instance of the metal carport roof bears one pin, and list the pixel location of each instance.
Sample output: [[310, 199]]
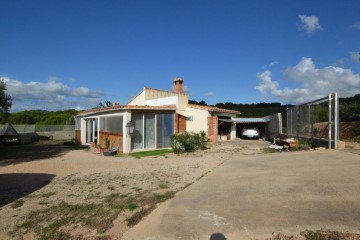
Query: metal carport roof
[[246, 120]]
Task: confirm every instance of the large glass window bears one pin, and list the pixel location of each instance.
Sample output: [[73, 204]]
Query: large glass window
[[152, 130], [137, 136], [149, 131], [111, 124], [165, 128]]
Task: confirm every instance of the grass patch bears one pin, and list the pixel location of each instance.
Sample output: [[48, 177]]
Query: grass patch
[[161, 152], [47, 223], [325, 235], [51, 221], [17, 204], [269, 150], [46, 195], [163, 186], [134, 219], [163, 197], [132, 206], [110, 198]]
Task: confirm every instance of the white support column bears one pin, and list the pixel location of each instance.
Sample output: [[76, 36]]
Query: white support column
[[83, 130], [126, 137], [233, 131]]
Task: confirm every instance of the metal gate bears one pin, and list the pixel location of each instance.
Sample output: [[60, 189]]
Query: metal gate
[[315, 120]]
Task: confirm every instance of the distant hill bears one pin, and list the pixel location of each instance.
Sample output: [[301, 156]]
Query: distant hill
[[349, 109], [251, 110]]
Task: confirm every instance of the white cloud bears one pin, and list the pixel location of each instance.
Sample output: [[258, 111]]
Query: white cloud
[[313, 82], [356, 25], [271, 64], [267, 85], [355, 56], [309, 24], [210, 94], [50, 95]]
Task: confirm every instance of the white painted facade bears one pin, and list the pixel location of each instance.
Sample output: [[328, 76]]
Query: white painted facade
[[197, 120], [173, 100]]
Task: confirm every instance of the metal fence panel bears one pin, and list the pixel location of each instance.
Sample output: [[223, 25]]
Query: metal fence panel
[[41, 128], [312, 120]]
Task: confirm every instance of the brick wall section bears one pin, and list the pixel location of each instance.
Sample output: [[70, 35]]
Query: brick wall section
[[78, 136], [213, 129], [180, 123], [176, 126], [116, 140]]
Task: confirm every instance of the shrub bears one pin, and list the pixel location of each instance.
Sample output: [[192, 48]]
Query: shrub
[[203, 140], [188, 142], [357, 129]]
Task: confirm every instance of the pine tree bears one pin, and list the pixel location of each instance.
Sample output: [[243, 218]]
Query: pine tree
[[5, 99]]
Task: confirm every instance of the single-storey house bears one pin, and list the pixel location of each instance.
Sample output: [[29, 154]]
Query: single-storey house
[[149, 120]]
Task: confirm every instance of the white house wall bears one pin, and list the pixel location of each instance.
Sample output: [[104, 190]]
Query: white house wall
[[198, 120], [173, 100], [139, 99], [154, 94]]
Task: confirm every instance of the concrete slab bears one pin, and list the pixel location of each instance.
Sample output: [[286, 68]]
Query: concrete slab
[[251, 196]]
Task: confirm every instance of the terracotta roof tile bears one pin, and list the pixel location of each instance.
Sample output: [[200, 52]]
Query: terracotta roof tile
[[126, 107]]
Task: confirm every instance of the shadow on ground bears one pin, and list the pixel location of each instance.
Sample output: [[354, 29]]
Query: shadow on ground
[[17, 185], [13, 154]]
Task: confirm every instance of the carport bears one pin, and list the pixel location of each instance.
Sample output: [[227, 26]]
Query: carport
[[269, 126], [260, 123]]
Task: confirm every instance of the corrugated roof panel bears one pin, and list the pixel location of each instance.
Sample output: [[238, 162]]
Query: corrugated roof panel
[[251, 120], [247, 120]]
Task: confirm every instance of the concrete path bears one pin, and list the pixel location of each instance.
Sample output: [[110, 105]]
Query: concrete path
[[251, 196]]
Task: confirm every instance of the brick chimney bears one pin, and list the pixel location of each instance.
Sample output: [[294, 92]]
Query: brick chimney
[[178, 87]]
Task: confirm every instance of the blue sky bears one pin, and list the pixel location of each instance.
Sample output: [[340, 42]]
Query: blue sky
[[63, 54]]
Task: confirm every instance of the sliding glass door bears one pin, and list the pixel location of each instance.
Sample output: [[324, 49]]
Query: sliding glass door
[[149, 131], [152, 130], [165, 129]]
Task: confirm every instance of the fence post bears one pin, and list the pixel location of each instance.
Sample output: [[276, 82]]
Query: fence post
[[312, 120], [297, 122], [336, 120], [329, 121]]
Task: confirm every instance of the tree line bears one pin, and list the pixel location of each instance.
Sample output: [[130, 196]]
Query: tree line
[[349, 108], [40, 117]]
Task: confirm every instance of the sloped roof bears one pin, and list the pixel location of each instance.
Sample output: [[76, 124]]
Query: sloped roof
[[8, 130], [154, 89], [125, 107], [213, 109]]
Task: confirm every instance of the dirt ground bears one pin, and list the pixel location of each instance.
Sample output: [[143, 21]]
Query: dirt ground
[[61, 193]]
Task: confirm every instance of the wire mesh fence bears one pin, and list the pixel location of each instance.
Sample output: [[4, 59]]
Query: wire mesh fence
[[315, 120], [41, 128]]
